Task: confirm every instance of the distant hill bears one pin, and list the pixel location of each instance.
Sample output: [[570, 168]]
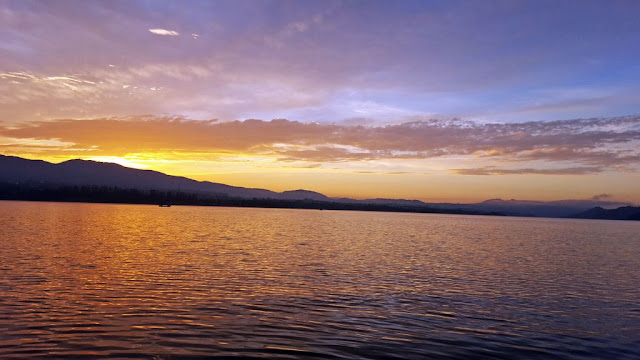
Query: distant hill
[[27, 173], [621, 213], [559, 208]]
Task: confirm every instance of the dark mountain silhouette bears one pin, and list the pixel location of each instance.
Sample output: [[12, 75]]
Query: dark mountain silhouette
[[24, 175], [559, 208], [304, 194], [621, 213], [15, 170]]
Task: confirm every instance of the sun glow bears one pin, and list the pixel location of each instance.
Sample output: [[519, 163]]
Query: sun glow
[[124, 161]]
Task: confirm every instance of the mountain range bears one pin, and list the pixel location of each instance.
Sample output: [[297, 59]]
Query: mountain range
[[37, 173], [621, 213]]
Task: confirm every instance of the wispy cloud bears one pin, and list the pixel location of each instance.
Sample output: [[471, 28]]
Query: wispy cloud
[[266, 53], [164, 32], [491, 170]]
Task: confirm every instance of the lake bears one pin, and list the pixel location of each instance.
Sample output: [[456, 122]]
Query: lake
[[89, 281]]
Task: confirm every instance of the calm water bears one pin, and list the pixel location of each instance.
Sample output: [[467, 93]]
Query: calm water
[[86, 281]]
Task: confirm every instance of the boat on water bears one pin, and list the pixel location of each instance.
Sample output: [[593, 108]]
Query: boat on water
[[165, 205]]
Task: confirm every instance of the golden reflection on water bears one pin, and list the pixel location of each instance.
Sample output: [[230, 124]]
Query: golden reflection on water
[[88, 280]]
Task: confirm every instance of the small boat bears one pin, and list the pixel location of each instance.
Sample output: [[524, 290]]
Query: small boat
[[165, 205]]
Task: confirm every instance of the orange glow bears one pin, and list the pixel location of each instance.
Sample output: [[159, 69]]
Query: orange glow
[[336, 160], [362, 180]]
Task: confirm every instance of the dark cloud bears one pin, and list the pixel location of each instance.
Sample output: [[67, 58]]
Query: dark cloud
[[601, 197]]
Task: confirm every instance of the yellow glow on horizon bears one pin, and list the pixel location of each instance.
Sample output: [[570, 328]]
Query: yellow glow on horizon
[[427, 180], [124, 161]]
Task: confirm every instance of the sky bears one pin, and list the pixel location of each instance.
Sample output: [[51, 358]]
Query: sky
[[434, 100]]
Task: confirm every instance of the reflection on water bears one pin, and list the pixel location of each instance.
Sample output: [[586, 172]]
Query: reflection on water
[[88, 281]]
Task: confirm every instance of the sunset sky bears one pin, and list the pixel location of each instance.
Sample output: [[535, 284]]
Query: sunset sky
[[432, 100]]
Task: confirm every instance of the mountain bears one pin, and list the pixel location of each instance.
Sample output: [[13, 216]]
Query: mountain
[[38, 174], [304, 195], [621, 213], [15, 170], [559, 208]]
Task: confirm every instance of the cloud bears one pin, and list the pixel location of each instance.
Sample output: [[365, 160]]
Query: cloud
[[580, 146], [601, 197], [325, 49], [602, 157], [490, 170], [164, 32]]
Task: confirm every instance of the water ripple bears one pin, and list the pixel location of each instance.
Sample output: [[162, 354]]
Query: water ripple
[[82, 281]]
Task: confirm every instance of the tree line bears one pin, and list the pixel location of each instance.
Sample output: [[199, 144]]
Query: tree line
[[109, 194]]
